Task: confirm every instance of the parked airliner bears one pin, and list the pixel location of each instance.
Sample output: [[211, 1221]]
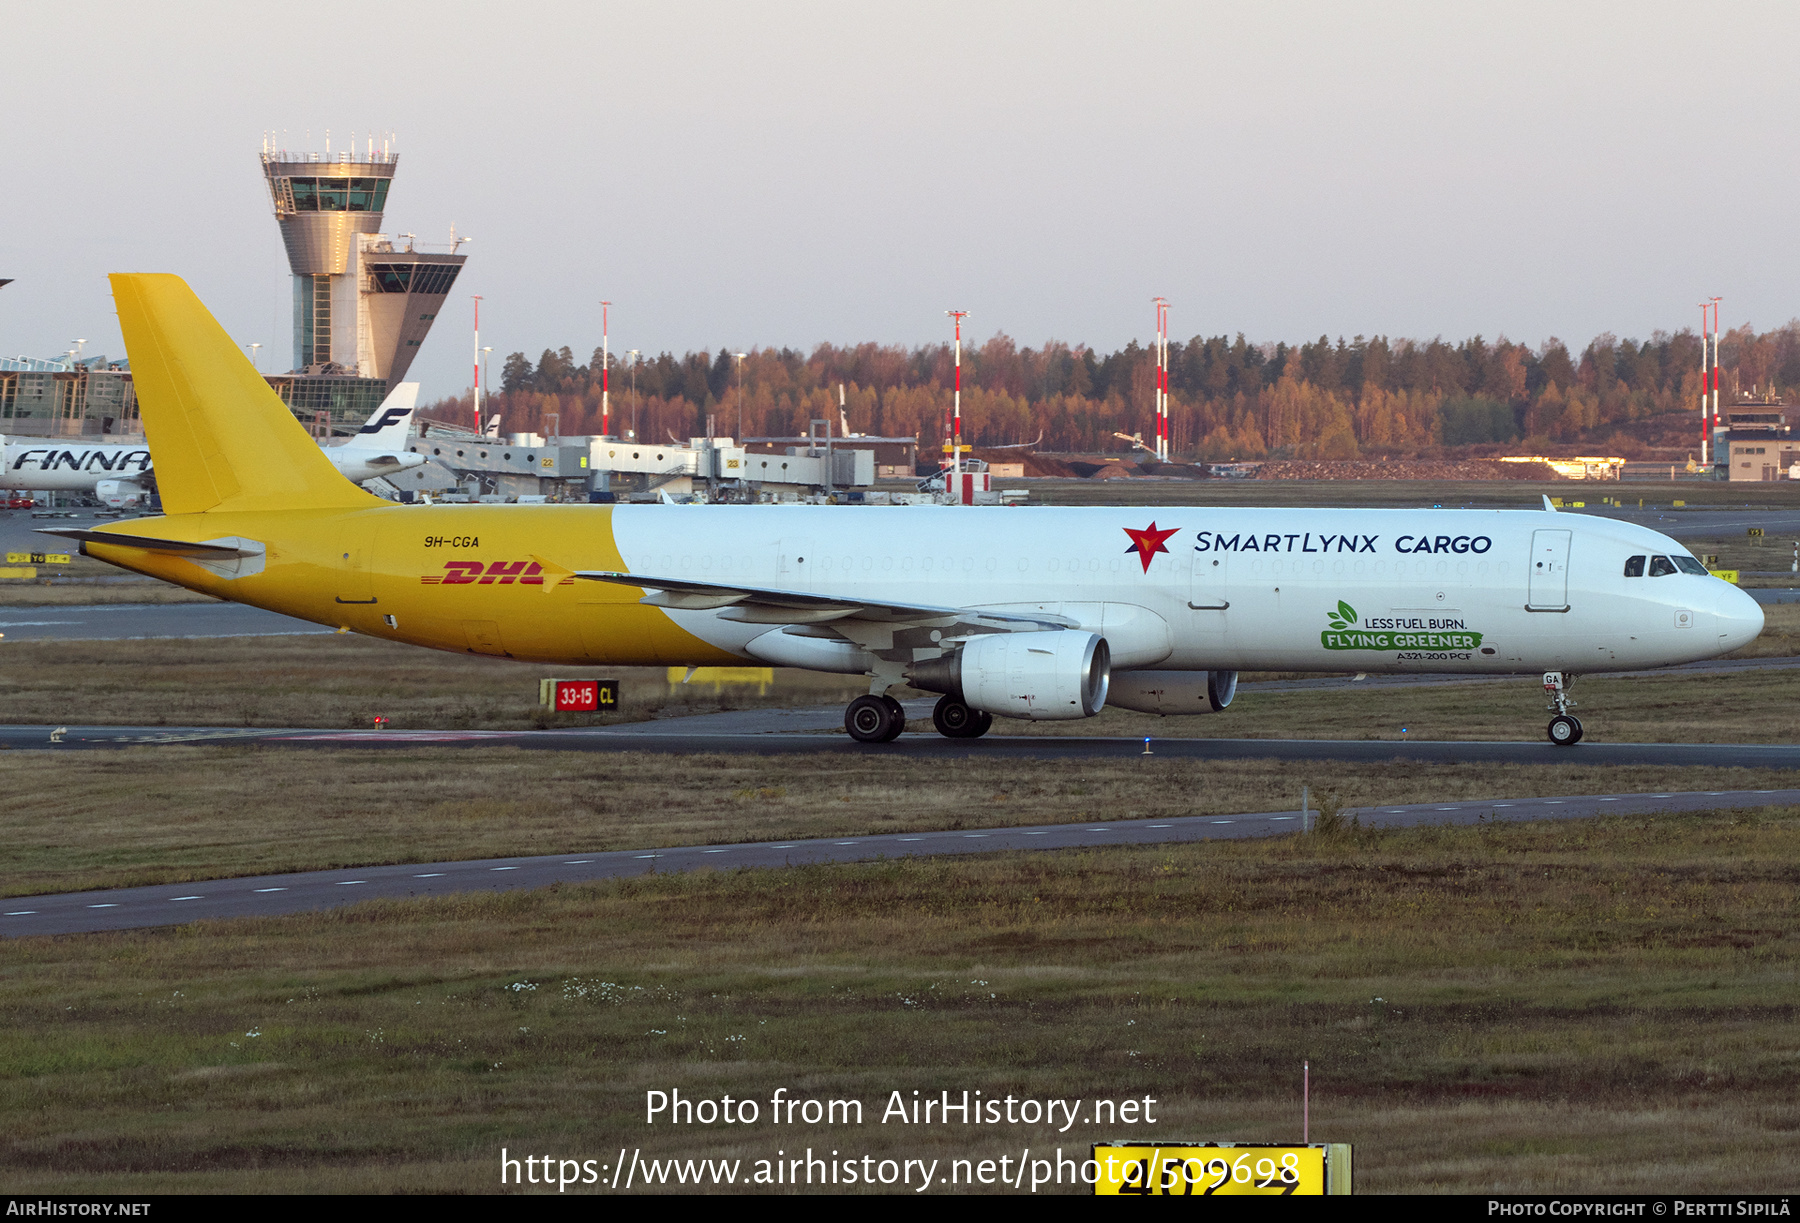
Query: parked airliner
[[122, 475], [1024, 613]]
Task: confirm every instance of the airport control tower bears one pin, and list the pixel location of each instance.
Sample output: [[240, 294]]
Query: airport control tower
[[362, 307]]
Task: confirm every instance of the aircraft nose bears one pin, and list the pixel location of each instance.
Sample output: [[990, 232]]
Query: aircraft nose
[[1740, 619]]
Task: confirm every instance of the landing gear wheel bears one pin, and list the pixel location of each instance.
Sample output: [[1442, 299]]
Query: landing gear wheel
[[874, 719], [1565, 731], [1578, 731], [955, 720]]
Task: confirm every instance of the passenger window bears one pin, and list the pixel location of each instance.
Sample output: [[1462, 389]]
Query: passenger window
[[1634, 567], [1661, 566]]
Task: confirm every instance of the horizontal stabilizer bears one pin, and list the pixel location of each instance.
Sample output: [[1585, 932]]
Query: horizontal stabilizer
[[147, 542]]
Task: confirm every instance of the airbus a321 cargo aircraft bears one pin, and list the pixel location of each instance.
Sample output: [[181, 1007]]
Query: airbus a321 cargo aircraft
[[1020, 613]]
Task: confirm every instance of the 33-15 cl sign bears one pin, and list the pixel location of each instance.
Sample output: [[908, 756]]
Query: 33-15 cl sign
[[579, 695]]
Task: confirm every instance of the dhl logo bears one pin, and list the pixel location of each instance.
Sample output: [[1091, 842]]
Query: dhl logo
[[492, 573]]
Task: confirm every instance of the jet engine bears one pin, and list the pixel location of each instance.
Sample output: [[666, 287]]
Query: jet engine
[[1061, 673], [120, 494], [1168, 692]]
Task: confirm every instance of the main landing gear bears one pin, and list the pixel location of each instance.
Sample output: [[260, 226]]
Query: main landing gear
[[955, 720], [1565, 728], [874, 719]]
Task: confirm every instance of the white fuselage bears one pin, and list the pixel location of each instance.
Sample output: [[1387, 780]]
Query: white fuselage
[[1241, 589], [359, 463], [52, 465]]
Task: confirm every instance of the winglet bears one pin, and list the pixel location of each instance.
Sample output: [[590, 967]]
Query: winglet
[[222, 439], [1547, 504]]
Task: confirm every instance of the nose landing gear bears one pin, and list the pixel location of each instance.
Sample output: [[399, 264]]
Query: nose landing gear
[[1565, 728]]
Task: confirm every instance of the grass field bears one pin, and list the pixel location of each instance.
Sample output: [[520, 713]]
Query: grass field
[[1597, 1007], [75, 821]]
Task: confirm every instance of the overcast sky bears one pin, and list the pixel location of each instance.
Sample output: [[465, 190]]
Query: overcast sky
[[783, 174]]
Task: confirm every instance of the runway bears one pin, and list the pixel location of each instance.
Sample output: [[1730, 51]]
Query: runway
[[141, 621], [654, 737], [282, 895]]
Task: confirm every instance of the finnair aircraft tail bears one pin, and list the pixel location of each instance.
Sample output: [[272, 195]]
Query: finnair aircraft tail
[[379, 447]]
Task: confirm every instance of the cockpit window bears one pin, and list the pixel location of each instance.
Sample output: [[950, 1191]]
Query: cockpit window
[[1661, 566], [1634, 567], [1688, 564]]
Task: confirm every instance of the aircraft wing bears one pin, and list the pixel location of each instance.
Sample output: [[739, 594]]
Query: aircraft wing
[[761, 605]]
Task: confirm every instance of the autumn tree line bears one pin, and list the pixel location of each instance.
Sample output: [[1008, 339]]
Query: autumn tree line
[[1229, 398]]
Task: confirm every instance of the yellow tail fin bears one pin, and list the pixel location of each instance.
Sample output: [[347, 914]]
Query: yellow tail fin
[[219, 435]]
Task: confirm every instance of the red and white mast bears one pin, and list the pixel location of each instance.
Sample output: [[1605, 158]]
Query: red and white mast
[[1715, 369], [1162, 379], [477, 379], [605, 374], [956, 407]]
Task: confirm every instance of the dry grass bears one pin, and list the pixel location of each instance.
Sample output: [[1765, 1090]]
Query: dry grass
[[95, 594], [346, 681], [69, 822], [1595, 1007], [85, 581], [341, 681]]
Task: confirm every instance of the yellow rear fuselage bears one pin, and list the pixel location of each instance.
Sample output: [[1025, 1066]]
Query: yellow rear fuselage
[[475, 579]]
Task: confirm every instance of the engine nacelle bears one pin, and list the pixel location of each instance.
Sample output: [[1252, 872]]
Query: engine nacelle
[[1172, 692], [120, 494], [1061, 673]]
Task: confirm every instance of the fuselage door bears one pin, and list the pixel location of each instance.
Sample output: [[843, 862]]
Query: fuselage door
[[356, 556], [1206, 590], [1549, 571]]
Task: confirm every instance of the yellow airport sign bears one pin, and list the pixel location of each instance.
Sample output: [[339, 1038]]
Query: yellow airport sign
[[1216, 1169], [16, 573], [37, 558], [1729, 575]]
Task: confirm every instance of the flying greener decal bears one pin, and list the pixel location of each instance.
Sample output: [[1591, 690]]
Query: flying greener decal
[[1148, 542]]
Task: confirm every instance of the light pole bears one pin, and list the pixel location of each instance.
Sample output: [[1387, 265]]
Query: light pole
[[635, 357], [740, 374], [254, 355]]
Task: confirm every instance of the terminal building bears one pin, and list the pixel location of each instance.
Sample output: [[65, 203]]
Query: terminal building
[[66, 396], [363, 303], [1755, 442]]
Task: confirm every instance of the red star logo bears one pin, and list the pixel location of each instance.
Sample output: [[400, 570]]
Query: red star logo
[[1148, 542]]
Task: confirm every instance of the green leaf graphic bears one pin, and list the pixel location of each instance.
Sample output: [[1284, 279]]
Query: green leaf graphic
[[1346, 611]]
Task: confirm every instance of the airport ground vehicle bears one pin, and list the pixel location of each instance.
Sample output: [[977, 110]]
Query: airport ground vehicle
[[1040, 614]]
